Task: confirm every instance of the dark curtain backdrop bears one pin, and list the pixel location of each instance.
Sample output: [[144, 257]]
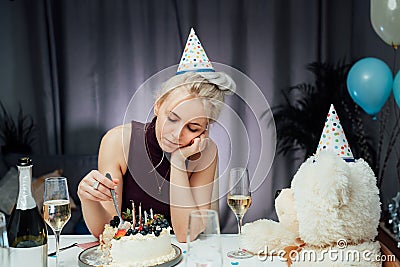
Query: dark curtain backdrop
[[74, 65]]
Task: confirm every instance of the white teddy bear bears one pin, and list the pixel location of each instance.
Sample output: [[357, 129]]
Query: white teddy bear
[[329, 216]]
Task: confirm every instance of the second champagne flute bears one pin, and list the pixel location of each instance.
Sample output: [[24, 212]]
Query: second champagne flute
[[56, 207], [239, 200]]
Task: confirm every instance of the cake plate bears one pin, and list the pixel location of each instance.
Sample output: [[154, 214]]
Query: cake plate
[[91, 257]]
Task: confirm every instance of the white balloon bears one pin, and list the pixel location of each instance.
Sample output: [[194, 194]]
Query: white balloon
[[385, 19]]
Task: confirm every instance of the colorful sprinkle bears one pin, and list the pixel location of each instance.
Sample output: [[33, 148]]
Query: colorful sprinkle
[[234, 263]]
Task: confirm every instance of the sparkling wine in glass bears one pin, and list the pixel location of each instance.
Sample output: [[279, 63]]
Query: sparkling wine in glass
[[56, 207], [239, 200]]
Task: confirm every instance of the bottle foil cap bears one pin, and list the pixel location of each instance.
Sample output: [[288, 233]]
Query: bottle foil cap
[[25, 161]]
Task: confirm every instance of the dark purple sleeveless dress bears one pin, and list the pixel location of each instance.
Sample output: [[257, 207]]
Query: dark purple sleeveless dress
[[141, 181]]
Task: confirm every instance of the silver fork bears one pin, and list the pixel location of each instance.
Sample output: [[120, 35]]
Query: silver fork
[[121, 221]]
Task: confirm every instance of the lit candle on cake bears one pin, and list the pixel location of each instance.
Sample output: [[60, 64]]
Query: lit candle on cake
[[133, 215], [140, 213], [151, 213], [145, 217]]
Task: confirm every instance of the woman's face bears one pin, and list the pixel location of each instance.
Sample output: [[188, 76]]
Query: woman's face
[[181, 117]]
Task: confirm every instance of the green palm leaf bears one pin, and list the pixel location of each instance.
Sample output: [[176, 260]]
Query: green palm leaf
[[300, 119]]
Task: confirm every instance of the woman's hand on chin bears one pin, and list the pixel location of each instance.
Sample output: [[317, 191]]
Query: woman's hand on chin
[[198, 145]]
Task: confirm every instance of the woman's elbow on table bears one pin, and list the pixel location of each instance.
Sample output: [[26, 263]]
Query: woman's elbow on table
[[180, 237]]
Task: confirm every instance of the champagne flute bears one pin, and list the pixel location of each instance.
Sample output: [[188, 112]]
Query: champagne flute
[[239, 200], [56, 207]]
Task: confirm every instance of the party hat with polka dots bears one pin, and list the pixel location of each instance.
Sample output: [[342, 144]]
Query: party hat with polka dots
[[194, 58], [333, 137]]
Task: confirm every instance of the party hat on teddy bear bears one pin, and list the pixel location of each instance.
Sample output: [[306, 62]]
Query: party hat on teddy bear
[[333, 137], [194, 58]]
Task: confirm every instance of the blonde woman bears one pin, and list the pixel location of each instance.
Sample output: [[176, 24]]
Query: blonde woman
[[167, 164]]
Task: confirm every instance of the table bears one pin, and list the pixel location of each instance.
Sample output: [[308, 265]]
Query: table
[[69, 257], [387, 238]]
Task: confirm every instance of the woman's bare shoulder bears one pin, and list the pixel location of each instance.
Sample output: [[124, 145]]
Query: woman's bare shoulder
[[117, 138], [117, 134], [120, 129], [114, 145]]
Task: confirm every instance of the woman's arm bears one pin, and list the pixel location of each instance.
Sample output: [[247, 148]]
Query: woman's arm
[[97, 206], [191, 187]]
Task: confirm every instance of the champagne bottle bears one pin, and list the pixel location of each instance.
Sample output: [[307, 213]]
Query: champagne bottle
[[27, 234]]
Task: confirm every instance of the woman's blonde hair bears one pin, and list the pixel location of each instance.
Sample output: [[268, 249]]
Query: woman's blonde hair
[[211, 87]]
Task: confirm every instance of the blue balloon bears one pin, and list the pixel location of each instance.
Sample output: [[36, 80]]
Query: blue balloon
[[369, 83], [396, 88]]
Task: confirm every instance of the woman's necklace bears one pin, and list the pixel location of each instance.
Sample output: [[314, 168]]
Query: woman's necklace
[[154, 169]]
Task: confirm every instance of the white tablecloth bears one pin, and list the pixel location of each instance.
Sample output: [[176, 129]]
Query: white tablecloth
[[69, 257]]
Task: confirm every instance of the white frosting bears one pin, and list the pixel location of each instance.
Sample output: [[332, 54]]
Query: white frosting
[[142, 250], [105, 242]]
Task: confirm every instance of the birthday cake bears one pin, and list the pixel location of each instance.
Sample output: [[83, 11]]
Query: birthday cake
[[143, 241]]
